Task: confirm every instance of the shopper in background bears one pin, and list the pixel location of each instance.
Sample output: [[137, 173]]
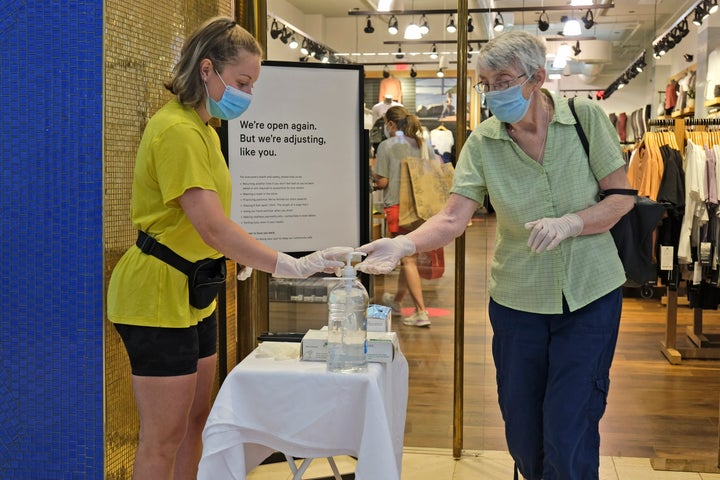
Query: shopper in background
[[555, 285], [408, 144], [181, 199]]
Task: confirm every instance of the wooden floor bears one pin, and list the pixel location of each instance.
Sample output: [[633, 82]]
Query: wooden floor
[[655, 409]]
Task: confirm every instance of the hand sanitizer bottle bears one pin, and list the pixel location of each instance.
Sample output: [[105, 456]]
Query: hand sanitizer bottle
[[347, 323]]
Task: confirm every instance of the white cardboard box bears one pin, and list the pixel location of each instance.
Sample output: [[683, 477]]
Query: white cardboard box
[[381, 346], [379, 318]]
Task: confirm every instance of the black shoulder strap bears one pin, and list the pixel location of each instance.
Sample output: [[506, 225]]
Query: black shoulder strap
[[578, 127]]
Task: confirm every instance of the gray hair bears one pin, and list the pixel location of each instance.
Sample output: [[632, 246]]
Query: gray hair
[[219, 39], [515, 48]]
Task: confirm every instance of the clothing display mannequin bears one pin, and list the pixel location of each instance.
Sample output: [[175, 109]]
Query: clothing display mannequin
[[390, 86], [379, 109]]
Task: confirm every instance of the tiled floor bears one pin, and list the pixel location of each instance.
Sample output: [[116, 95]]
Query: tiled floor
[[437, 464]]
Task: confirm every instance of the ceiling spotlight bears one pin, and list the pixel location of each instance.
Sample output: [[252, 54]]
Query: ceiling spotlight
[[369, 26], [688, 57], [304, 49], [293, 43], [323, 56], [399, 53], [699, 15], [386, 72], [571, 28], [543, 22], [713, 7], [440, 73], [576, 49], [424, 29], [499, 23], [588, 20], [275, 30], [413, 72], [393, 25], [433, 52], [470, 25], [412, 32], [285, 35], [451, 24]]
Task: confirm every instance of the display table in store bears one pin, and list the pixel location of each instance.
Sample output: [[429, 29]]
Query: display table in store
[[298, 408]]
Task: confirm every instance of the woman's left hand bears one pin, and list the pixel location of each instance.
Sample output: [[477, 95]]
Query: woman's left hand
[[547, 233]]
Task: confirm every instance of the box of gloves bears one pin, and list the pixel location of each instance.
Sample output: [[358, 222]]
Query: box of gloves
[[379, 318], [381, 346]]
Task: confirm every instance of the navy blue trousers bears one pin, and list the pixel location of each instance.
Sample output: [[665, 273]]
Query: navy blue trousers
[[553, 376]]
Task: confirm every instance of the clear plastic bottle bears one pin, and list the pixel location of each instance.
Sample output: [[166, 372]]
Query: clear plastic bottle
[[399, 137], [347, 323]]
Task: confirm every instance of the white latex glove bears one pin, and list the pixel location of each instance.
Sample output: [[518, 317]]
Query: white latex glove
[[244, 273], [547, 233], [384, 254], [327, 261]]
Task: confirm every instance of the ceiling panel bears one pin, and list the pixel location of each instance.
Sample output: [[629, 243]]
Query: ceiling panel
[[629, 25]]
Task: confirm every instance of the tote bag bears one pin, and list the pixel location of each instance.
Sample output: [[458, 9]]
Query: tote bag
[[424, 188]]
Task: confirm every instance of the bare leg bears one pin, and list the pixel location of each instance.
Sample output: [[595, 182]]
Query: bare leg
[[412, 280], [164, 404], [188, 456]]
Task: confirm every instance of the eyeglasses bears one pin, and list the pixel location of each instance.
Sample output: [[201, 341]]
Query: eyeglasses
[[482, 87]]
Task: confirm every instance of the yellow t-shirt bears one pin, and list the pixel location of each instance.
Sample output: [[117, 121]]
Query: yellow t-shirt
[[177, 152]]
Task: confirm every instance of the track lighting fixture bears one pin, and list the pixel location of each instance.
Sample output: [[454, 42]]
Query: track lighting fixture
[[275, 30], [369, 26], [713, 7], [386, 72], [699, 15], [304, 49], [688, 57], [470, 26], [285, 35], [293, 43], [543, 22], [576, 49], [393, 25], [424, 28], [399, 53], [499, 23], [440, 73], [451, 28], [433, 52], [588, 20], [413, 72]]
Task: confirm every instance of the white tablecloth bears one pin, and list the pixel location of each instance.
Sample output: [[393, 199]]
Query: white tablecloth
[[300, 409]]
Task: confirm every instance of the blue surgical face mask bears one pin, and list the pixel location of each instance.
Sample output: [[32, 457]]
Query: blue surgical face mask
[[233, 103], [508, 105]]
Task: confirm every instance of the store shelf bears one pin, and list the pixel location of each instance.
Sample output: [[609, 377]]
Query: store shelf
[[713, 102], [685, 112]]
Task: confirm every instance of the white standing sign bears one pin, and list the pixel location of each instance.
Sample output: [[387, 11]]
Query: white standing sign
[[295, 158]]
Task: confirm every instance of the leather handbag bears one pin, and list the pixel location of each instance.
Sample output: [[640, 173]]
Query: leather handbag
[[633, 233]]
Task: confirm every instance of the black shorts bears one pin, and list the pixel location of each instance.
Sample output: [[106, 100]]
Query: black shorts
[[168, 352]]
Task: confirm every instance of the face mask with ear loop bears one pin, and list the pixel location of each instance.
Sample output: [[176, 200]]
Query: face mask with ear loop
[[509, 105], [233, 103]]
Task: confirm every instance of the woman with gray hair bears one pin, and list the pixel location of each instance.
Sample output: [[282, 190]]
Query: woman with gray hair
[[556, 278]]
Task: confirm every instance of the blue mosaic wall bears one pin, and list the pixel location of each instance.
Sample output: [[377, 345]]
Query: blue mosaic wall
[[51, 245]]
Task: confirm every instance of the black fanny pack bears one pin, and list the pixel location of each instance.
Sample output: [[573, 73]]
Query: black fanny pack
[[205, 277]]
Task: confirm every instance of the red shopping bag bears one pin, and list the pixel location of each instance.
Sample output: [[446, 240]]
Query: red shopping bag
[[431, 264]]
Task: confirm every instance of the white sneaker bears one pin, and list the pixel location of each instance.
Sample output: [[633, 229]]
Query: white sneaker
[[418, 319], [388, 299]]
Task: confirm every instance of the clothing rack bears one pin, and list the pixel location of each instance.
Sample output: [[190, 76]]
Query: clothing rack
[[706, 346]]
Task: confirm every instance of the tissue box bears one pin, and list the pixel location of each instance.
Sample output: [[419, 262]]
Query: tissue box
[[379, 318], [381, 346]]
